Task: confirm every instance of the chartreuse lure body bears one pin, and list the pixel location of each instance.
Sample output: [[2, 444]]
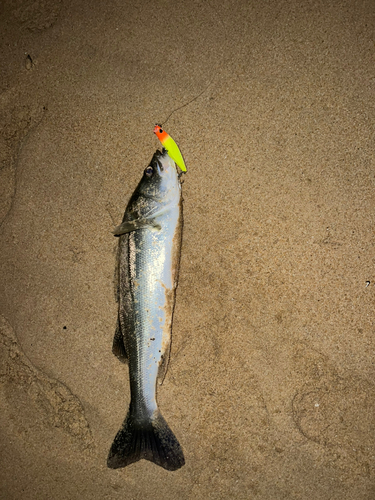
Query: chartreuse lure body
[[171, 147]]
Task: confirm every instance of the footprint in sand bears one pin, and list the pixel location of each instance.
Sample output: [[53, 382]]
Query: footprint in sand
[[36, 15], [17, 117], [16, 121], [337, 412], [26, 390]]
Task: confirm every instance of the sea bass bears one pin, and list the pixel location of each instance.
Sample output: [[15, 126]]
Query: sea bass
[[147, 269]]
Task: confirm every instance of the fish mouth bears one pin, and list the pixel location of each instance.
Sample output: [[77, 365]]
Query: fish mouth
[[158, 158], [161, 153]]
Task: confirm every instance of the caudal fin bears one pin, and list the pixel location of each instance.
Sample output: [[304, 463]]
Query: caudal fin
[[152, 441]]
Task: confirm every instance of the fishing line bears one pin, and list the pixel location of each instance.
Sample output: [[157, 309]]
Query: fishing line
[[213, 77], [187, 103]]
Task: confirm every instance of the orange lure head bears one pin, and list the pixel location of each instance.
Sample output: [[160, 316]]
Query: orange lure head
[[160, 133]]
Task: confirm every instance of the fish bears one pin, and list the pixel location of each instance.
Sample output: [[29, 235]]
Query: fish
[[146, 279], [170, 145]]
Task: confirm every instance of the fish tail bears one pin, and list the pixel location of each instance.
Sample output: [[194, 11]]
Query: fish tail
[[152, 440]]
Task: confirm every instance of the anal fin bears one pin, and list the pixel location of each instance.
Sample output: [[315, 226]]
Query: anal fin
[[118, 346], [164, 364]]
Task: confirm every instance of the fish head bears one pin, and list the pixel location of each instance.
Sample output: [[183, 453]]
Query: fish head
[[160, 179]]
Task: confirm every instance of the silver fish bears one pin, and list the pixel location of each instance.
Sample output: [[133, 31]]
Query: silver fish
[[148, 261]]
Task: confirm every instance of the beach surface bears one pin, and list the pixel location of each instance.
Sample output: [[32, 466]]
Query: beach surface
[[270, 386]]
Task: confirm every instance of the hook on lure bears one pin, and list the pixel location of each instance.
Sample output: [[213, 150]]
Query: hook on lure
[[170, 145]]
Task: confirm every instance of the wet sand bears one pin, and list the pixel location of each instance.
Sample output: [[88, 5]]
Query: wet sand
[[270, 383]]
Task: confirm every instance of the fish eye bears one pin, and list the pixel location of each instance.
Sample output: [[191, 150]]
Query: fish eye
[[149, 171]]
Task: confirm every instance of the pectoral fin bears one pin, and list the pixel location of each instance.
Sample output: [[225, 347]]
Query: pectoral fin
[[133, 225], [129, 226]]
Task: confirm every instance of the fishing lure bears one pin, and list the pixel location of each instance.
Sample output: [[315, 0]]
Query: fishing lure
[[171, 147]]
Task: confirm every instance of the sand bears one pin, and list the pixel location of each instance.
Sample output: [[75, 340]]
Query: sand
[[270, 387]]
